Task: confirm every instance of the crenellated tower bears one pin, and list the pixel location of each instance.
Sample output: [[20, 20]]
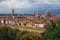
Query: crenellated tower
[[12, 13]]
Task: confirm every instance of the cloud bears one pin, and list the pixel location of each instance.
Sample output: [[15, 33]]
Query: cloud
[[2, 0], [27, 3], [47, 2], [16, 4]]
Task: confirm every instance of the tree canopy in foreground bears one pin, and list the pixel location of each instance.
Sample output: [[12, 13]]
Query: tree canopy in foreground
[[52, 33]]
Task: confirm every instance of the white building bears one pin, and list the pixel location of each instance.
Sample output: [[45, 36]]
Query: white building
[[42, 25], [2, 21]]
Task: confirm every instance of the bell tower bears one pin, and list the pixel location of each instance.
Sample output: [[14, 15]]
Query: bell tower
[[37, 14]]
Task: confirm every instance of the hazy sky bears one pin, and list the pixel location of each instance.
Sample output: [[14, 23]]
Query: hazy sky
[[29, 6]]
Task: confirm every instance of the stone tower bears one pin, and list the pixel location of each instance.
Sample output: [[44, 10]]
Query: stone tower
[[12, 11]]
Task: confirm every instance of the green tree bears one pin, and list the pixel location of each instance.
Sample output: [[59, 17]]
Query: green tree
[[31, 36], [12, 33], [20, 34], [52, 32], [3, 33]]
